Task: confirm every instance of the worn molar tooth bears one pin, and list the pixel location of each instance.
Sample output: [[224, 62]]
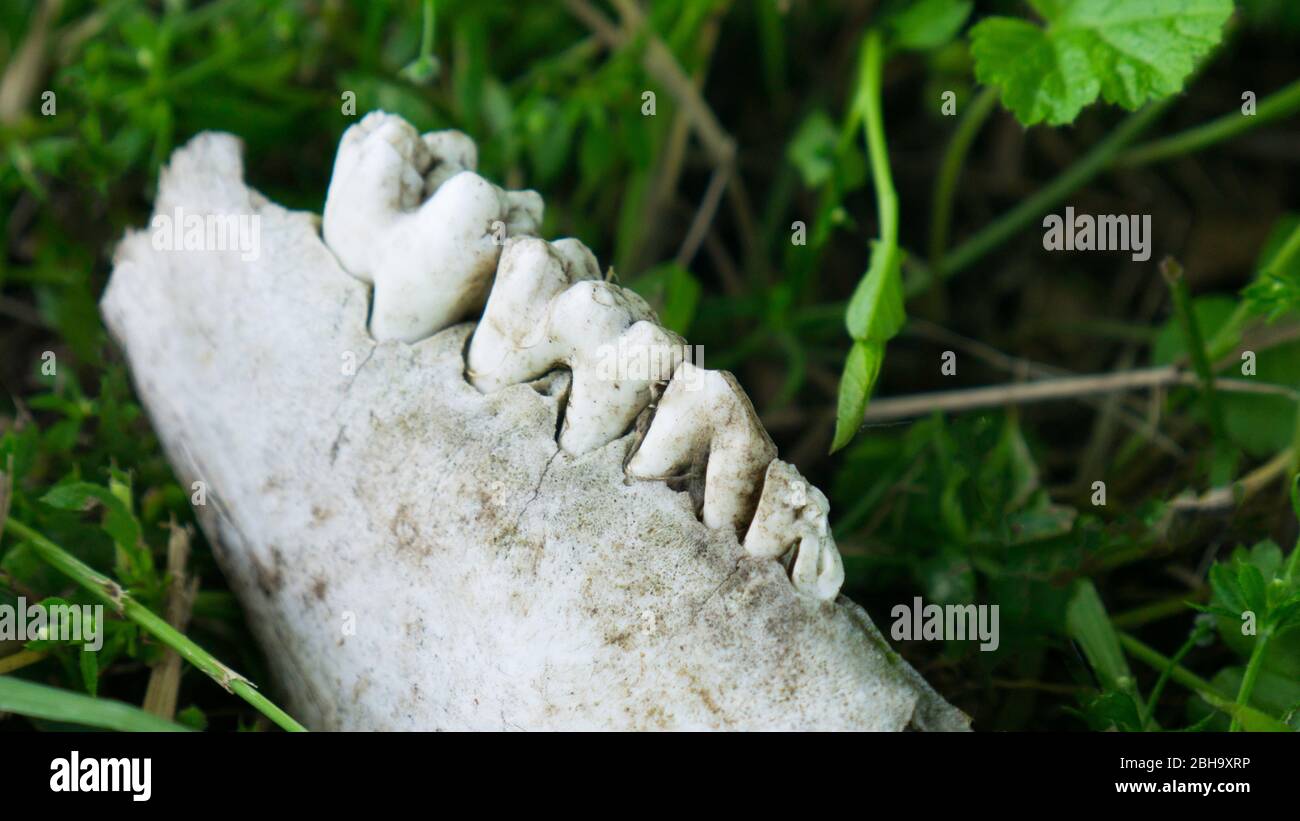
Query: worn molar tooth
[[549, 308], [409, 214], [704, 419], [512, 341], [378, 167], [450, 152], [613, 383], [524, 210], [578, 260], [794, 514]]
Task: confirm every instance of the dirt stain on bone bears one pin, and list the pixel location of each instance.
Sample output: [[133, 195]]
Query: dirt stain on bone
[[405, 529], [269, 579]]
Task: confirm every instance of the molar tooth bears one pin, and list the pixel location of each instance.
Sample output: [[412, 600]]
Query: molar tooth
[[577, 258], [705, 419], [615, 381], [548, 307], [450, 152], [431, 262], [791, 512], [511, 343]]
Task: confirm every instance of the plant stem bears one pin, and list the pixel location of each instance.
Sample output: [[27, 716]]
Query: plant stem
[[112, 594], [1156, 611], [1077, 175], [1280, 103], [954, 158], [881, 177], [1198, 632], [1157, 661], [19, 660], [1253, 667], [426, 32], [1195, 342]]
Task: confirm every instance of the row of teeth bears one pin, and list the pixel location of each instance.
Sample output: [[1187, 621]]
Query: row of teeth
[[408, 214]]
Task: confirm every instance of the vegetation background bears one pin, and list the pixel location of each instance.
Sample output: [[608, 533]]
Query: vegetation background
[[1123, 615]]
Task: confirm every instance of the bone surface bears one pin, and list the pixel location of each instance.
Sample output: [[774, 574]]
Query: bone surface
[[413, 552]]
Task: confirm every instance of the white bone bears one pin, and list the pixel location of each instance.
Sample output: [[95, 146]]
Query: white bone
[[793, 515], [414, 554], [705, 420], [548, 308], [406, 214]]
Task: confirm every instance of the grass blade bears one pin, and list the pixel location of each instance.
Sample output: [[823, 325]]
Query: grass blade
[[39, 701]]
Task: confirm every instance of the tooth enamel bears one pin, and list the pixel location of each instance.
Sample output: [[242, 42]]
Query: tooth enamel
[[705, 419], [431, 261], [793, 513], [548, 308], [450, 152]]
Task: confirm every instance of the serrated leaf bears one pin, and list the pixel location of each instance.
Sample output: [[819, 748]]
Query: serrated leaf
[[1286, 615], [1126, 52], [1251, 582], [1227, 591]]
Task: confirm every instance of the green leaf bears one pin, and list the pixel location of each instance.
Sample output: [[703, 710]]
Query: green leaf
[[813, 149], [1286, 615], [1114, 711], [1251, 719], [927, 24], [860, 372], [1087, 622], [875, 315], [1126, 52], [1251, 582], [134, 563], [193, 717], [876, 310], [1227, 589], [1276, 289], [50, 703]]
